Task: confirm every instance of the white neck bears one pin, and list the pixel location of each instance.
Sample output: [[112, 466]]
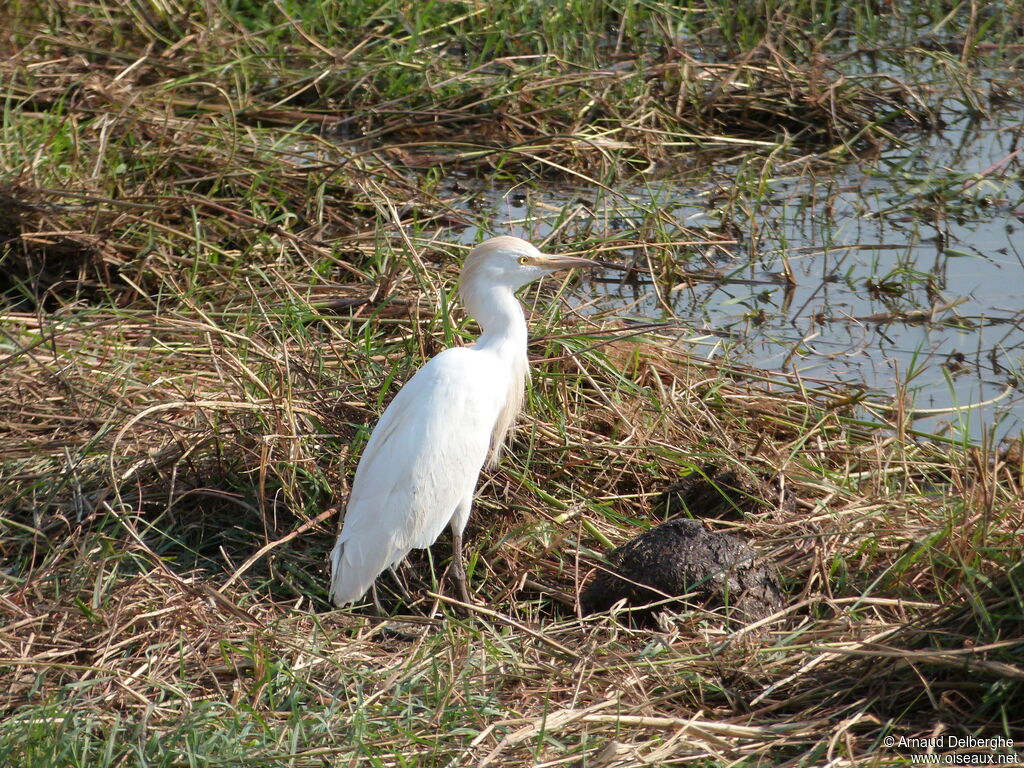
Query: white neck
[[501, 319], [500, 316]]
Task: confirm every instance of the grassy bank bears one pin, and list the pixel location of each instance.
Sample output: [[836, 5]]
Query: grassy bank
[[228, 235]]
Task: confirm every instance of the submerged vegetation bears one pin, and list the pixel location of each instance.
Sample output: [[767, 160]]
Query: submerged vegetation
[[231, 230]]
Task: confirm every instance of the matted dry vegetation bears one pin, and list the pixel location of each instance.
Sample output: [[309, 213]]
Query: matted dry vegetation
[[205, 308]]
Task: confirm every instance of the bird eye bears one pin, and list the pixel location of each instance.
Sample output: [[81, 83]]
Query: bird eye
[[523, 260]]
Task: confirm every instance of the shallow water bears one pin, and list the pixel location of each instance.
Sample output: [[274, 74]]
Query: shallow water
[[908, 269]]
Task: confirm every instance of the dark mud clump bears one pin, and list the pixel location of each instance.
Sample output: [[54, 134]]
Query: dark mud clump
[[723, 493], [682, 557]]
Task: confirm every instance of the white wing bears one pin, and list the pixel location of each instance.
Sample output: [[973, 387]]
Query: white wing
[[421, 461]]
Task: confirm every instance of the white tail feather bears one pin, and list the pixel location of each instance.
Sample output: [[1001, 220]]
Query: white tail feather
[[355, 566]]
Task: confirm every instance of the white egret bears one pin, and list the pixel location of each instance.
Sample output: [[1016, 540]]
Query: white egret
[[420, 467]]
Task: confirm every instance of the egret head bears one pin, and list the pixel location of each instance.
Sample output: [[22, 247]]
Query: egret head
[[511, 263]]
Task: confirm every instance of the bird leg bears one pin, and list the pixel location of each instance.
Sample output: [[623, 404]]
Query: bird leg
[[458, 568], [377, 609]]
